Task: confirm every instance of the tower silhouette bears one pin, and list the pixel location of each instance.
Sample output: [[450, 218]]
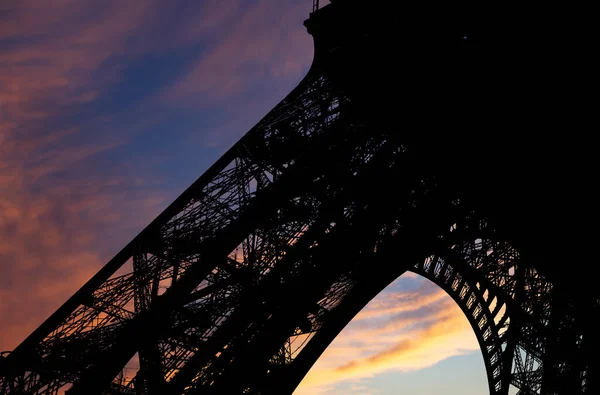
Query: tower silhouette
[[397, 152]]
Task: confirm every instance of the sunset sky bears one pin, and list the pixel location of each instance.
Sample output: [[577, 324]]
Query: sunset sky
[[109, 109]]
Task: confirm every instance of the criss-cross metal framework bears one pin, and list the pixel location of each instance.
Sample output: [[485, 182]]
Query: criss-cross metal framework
[[241, 283]]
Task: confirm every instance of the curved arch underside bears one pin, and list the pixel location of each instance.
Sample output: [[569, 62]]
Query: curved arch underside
[[485, 304], [506, 303]]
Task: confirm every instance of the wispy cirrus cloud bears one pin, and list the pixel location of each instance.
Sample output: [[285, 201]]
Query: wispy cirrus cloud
[[399, 331]]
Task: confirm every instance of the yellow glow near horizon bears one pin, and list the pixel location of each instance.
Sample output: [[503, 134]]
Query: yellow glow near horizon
[[398, 331]]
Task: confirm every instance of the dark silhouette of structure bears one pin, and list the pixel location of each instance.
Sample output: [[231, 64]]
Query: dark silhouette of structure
[[421, 140]]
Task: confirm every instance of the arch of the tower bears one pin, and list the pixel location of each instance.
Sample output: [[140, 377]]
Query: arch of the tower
[[484, 307], [482, 276]]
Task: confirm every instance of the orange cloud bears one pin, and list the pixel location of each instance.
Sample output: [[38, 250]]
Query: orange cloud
[[426, 331]]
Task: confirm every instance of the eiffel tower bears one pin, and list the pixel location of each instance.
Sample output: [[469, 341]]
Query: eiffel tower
[[247, 277]]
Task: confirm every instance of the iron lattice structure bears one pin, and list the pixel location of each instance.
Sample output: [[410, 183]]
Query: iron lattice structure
[[242, 282]]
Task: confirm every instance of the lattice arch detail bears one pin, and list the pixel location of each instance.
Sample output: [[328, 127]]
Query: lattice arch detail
[[484, 308]]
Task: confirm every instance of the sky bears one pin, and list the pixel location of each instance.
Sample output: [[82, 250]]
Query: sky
[[109, 109]]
